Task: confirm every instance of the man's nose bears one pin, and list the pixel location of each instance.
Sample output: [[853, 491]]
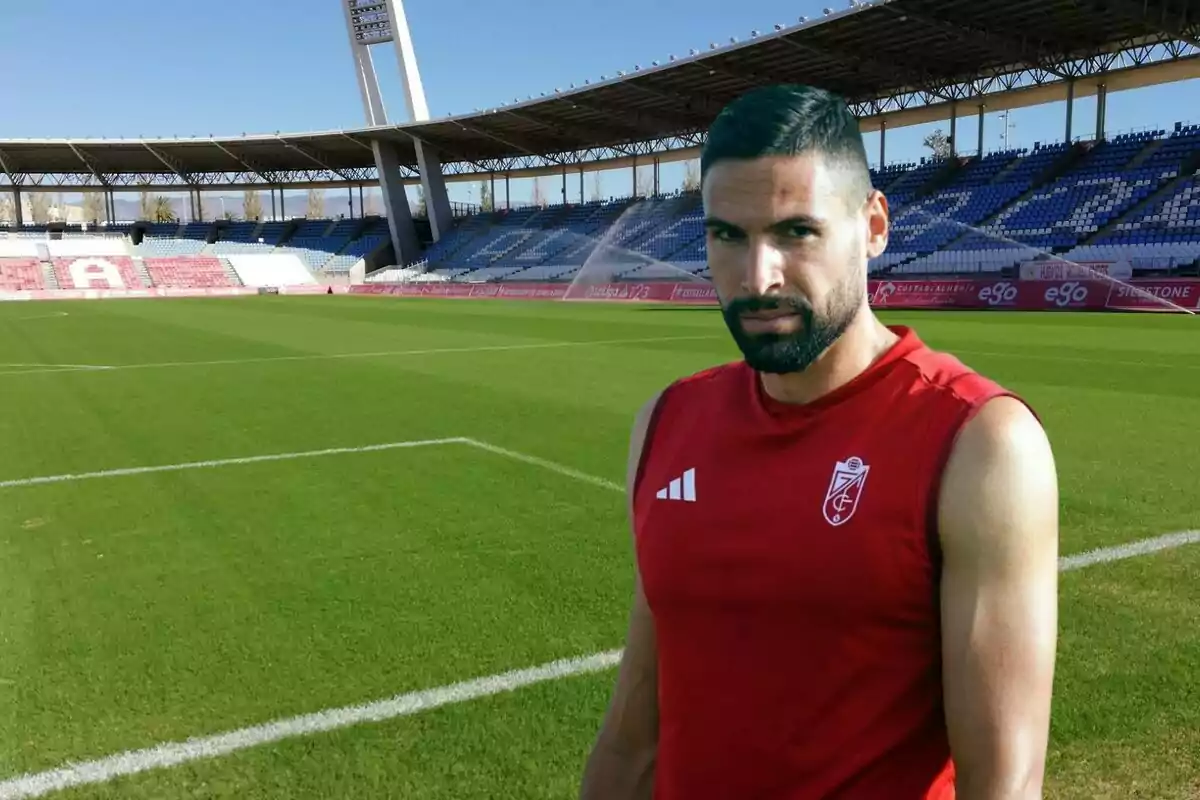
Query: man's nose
[[764, 269]]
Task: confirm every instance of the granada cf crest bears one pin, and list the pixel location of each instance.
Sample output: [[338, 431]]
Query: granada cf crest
[[845, 489]]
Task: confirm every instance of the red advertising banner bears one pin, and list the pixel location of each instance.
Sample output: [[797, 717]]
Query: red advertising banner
[[1072, 295], [697, 293], [1150, 295], [158, 292], [926, 294], [1056, 270], [1000, 294], [1160, 294], [961, 293]]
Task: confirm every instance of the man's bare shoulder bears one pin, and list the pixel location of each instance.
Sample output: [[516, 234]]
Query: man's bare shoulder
[[1000, 480]]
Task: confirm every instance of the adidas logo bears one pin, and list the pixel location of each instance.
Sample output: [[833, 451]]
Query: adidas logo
[[682, 488]]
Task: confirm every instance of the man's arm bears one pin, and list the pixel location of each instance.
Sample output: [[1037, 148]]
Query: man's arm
[[621, 764], [998, 523]]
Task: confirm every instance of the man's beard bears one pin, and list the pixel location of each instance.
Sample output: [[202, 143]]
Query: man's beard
[[789, 352]]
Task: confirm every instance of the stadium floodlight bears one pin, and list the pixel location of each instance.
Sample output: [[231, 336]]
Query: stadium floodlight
[[803, 20], [753, 34], [778, 27], [654, 63], [373, 22], [370, 21], [827, 11]]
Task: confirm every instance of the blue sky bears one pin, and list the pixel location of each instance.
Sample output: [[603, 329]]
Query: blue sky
[[86, 68]]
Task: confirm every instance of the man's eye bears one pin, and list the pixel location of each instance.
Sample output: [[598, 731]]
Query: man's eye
[[799, 232]]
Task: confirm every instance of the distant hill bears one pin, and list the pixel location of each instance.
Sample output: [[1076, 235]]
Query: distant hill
[[336, 202]]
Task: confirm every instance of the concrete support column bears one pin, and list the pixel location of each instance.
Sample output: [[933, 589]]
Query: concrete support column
[[582, 199], [507, 194], [564, 185], [395, 202], [882, 144], [981, 109], [954, 129], [656, 191], [1101, 108], [437, 201], [1070, 108], [633, 171], [18, 211]]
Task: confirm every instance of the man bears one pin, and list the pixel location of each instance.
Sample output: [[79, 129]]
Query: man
[[846, 543]]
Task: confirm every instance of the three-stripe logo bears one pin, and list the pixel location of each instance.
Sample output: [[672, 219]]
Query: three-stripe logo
[[681, 488]]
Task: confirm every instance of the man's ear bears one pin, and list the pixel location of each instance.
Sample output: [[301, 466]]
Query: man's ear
[[878, 223]]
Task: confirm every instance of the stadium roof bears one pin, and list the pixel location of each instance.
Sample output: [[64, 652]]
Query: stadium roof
[[889, 58]]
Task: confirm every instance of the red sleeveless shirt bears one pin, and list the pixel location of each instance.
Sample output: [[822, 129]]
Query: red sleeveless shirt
[[789, 557]]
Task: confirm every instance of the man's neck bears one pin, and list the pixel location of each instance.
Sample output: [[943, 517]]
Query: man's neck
[[864, 341]]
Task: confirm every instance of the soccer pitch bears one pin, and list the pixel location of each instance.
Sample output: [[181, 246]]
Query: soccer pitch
[[401, 495]]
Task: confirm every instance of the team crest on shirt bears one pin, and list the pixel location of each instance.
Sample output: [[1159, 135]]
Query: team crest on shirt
[[845, 489]]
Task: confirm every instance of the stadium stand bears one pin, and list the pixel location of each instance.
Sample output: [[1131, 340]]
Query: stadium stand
[[1135, 197], [193, 256], [105, 272], [270, 269], [21, 274], [161, 246], [196, 272]]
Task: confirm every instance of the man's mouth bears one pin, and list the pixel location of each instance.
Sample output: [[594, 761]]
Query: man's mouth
[[778, 320]]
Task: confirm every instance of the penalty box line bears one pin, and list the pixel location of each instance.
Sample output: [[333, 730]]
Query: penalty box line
[[552, 466], [170, 754], [52, 369]]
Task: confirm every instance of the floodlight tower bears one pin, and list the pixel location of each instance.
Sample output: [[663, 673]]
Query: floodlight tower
[[370, 23]]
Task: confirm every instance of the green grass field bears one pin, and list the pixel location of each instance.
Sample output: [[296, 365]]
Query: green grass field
[[148, 608]]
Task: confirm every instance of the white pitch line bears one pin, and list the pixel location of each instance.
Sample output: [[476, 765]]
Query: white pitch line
[[52, 315], [196, 748], [225, 462], [380, 354], [175, 753], [1119, 552], [58, 366], [544, 464]]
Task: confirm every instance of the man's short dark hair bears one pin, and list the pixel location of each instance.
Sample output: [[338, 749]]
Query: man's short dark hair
[[787, 120]]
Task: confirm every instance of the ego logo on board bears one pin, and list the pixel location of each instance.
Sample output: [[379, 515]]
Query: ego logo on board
[[1071, 293], [998, 294]]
